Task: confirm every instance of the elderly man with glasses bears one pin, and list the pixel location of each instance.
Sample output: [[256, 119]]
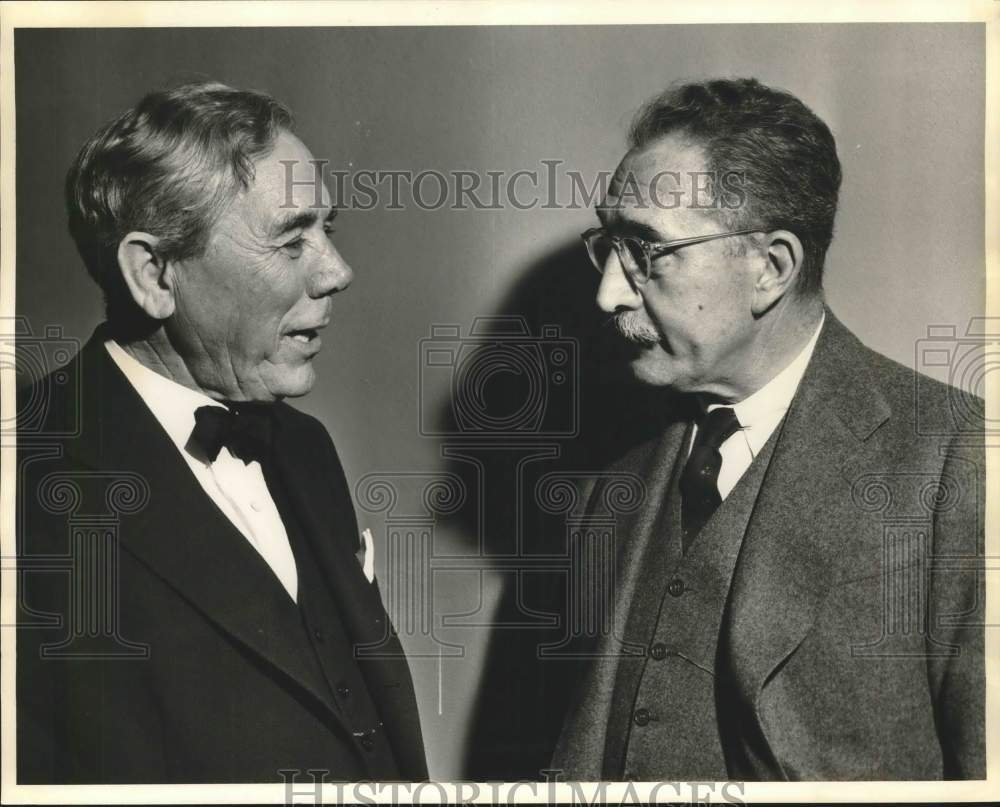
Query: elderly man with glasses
[[769, 624]]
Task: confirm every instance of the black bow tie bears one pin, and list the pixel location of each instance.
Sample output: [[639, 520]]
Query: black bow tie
[[245, 428]]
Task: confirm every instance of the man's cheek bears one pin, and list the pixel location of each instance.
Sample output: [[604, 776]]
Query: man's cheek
[[662, 316], [271, 271], [703, 300]]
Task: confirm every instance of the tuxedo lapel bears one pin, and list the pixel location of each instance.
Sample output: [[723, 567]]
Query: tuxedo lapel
[[803, 513], [180, 534], [318, 491]]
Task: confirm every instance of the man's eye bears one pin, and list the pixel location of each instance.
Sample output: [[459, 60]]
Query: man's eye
[[294, 247], [664, 255], [329, 230], [661, 263]]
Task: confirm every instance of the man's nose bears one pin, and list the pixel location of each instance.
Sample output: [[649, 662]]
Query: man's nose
[[329, 274], [616, 291]]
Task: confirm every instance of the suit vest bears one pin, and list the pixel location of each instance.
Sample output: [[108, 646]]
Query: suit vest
[[664, 723], [325, 638]]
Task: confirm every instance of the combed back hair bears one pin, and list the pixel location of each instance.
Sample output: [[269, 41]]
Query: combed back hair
[[169, 166], [784, 155]]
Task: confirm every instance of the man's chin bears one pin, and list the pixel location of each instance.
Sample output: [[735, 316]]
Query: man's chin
[[652, 366], [293, 382]]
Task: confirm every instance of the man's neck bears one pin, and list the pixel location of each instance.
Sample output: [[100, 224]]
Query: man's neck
[[156, 353], [781, 335]]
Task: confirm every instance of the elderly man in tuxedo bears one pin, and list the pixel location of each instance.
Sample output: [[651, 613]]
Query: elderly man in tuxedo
[[800, 594], [223, 628]]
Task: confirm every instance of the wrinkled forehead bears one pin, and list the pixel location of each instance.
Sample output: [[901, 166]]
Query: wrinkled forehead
[[289, 176], [664, 174], [287, 180]]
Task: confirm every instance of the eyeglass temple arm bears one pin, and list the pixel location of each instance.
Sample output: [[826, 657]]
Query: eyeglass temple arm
[[698, 239]]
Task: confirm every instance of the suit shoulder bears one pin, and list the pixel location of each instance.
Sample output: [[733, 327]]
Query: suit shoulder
[[304, 426], [933, 407], [51, 405]]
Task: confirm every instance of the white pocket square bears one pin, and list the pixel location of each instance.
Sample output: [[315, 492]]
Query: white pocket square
[[366, 555]]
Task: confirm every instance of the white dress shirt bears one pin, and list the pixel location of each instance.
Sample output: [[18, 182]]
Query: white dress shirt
[[237, 489], [759, 415]]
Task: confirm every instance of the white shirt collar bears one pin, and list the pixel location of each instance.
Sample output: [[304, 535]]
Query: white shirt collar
[[761, 412], [172, 404]]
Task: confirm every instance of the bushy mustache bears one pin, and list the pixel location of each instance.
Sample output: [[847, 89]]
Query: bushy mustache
[[634, 327]]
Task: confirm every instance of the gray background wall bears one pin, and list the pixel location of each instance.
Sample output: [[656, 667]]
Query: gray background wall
[[904, 101]]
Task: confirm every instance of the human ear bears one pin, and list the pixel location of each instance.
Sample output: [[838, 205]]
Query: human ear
[[783, 255], [148, 276]]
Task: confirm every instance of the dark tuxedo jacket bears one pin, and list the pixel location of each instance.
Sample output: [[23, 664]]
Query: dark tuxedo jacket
[[185, 663], [852, 642]]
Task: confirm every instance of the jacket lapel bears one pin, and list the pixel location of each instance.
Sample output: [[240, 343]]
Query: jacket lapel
[[797, 529], [180, 534], [580, 750], [322, 500]]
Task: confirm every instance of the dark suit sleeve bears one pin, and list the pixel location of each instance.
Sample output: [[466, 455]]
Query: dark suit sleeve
[[41, 598], [957, 611], [41, 744]]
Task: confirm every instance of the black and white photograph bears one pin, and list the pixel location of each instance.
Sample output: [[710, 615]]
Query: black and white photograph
[[500, 402]]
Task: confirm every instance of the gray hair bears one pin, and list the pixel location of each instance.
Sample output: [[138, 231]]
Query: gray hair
[[168, 166]]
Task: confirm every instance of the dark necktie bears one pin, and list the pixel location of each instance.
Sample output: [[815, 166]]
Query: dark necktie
[[700, 478], [245, 428]]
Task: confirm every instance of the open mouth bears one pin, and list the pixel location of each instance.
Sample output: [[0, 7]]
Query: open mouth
[[305, 336]]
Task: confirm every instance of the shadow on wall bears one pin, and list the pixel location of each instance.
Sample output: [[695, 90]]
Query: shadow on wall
[[539, 389]]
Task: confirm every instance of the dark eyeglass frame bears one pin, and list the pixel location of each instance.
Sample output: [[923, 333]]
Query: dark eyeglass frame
[[651, 250]]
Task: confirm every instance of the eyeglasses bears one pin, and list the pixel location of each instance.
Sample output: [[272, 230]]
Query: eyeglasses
[[636, 255]]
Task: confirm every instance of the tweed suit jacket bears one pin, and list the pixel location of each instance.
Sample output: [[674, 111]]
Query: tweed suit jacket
[[852, 642]]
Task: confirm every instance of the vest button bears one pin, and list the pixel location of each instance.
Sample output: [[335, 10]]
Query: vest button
[[641, 717], [319, 635], [367, 743], [343, 690], [675, 587], [658, 651]]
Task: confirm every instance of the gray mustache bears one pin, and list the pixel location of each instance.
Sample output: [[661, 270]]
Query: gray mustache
[[634, 327]]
